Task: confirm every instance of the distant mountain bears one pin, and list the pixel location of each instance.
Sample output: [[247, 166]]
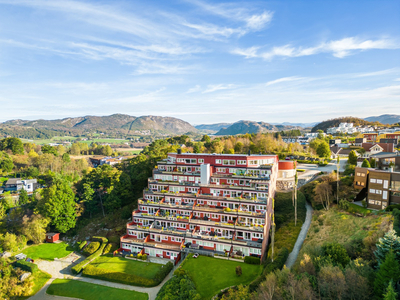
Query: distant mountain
[[243, 127], [117, 123], [303, 125], [384, 119], [212, 127], [335, 123]]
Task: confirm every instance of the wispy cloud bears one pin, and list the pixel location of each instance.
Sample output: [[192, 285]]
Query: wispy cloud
[[194, 89], [216, 87], [338, 48], [284, 79]]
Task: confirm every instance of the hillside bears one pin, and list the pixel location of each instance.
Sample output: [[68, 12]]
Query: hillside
[[243, 127], [335, 123], [117, 123], [384, 119], [212, 127]]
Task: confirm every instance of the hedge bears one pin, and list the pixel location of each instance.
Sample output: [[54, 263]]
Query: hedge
[[26, 266], [82, 245], [270, 266], [91, 248], [79, 267], [396, 220], [110, 248], [252, 260], [100, 239]]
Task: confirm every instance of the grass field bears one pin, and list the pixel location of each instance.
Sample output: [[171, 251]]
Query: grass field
[[72, 139], [341, 227], [38, 282], [48, 251], [90, 291], [120, 264], [212, 274]]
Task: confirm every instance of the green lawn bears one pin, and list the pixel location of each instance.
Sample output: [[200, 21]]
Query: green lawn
[[213, 274], [48, 251], [120, 264], [90, 291], [39, 280]]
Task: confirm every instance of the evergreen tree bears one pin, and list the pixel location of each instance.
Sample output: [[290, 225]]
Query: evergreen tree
[[366, 164], [389, 242], [390, 292], [388, 270], [352, 157]]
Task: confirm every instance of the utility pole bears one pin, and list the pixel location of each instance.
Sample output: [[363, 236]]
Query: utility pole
[[295, 198], [337, 180], [273, 230]]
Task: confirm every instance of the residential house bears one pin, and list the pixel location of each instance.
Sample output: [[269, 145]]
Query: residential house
[[374, 148], [16, 184]]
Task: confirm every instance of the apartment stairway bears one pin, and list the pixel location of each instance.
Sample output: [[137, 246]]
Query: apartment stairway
[[361, 195]]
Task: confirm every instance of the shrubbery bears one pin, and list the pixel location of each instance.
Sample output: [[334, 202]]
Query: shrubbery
[[110, 248], [252, 260], [79, 267], [91, 248], [26, 266], [179, 287], [337, 253], [82, 245]]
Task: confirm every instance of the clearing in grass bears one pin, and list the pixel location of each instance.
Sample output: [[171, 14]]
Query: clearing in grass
[[48, 251], [89, 291], [128, 266], [210, 275]]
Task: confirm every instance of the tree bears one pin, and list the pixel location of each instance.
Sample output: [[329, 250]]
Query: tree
[[107, 151], [388, 270], [365, 164], [206, 139], [75, 149], [6, 163], [238, 271], [49, 149], [32, 172], [23, 197], [34, 228], [390, 242], [331, 282], [239, 293], [66, 158], [323, 150], [352, 158], [390, 292], [373, 162], [323, 193], [58, 204], [13, 144]]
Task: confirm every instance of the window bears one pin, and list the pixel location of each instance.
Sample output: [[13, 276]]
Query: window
[[201, 160], [362, 174], [385, 195], [221, 170], [386, 184], [241, 162], [227, 162], [218, 161], [372, 191], [372, 180], [379, 192], [379, 181], [358, 174]]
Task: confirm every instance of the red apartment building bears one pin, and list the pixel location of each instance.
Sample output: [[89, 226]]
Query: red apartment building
[[219, 203]]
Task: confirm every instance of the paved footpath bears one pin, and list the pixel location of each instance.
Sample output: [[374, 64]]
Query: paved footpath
[[61, 269], [300, 239]]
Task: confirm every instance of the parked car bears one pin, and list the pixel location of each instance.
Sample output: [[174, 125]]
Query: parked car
[[196, 255]]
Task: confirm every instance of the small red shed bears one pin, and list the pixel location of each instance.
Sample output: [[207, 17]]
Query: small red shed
[[52, 237]]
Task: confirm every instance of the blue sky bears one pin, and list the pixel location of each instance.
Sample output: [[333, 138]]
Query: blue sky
[[201, 61]]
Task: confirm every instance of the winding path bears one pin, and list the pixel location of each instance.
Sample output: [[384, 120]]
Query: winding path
[[300, 239], [61, 269]]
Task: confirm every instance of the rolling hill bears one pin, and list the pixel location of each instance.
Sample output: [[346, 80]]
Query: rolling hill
[[117, 123], [243, 127], [335, 122], [384, 119], [212, 128]]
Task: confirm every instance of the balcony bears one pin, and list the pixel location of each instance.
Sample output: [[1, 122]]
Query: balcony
[[163, 245]]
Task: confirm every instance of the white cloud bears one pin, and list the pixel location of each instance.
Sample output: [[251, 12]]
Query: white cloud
[[284, 79], [339, 48], [194, 89], [216, 87], [258, 22]]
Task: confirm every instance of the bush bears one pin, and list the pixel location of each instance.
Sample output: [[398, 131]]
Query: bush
[[26, 266], [364, 203], [252, 260], [110, 248], [91, 248], [100, 239], [144, 256], [270, 266], [163, 272], [79, 267], [82, 245], [238, 270], [139, 256], [337, 253]]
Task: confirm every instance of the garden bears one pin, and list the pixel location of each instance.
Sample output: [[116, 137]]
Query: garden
[[210, 275], [90, 291], [48, 251]]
